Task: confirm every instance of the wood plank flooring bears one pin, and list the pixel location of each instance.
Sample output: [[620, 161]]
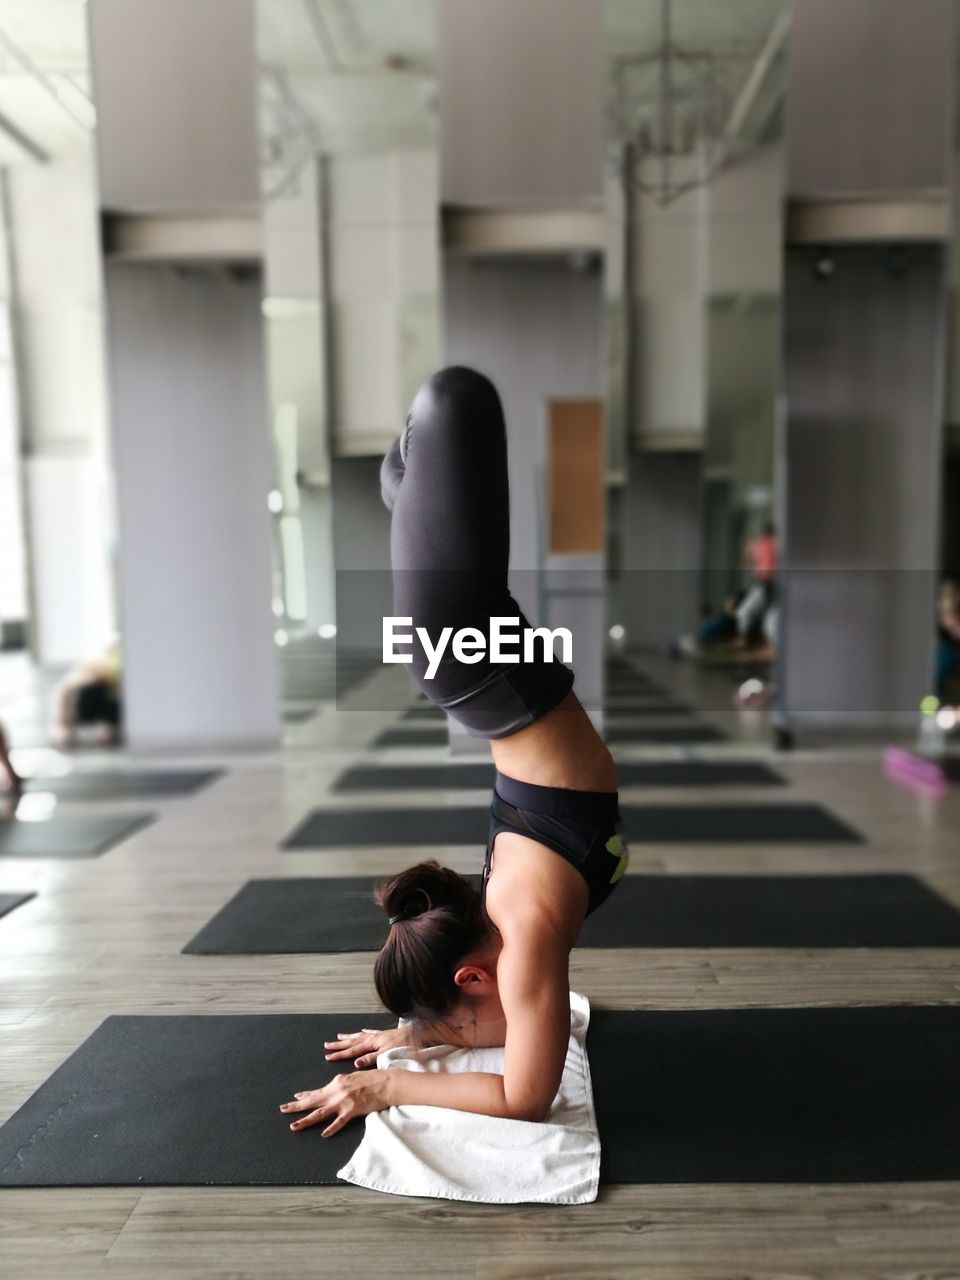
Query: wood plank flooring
[[104, 937]]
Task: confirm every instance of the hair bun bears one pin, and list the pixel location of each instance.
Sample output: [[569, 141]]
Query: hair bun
[[424, 888], [443, 921]]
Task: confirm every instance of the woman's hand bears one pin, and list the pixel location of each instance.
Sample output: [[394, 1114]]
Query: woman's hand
[[364, 1046], [352, 1094]]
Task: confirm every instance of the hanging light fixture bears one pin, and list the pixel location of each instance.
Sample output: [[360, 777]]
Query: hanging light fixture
[[675, 118], [670, 107]]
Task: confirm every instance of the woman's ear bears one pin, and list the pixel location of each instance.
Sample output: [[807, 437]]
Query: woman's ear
[[472, 978]]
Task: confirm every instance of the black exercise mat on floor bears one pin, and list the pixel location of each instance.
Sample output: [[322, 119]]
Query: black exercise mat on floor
[[467, 777], [414, 736], [716, 1096], [183, 1101], [299, 715], [68, 837], [642, 824], [629, 708], [632, 686], [424, 711], [335, 828], [677, 734], [317, 916], [430, 736], [735, 824], [121, 784], [616, 714], [778, 1095], [10, 901], [297, 917]]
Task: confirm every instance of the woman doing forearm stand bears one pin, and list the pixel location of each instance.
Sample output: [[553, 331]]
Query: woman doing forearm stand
[[488, 968]]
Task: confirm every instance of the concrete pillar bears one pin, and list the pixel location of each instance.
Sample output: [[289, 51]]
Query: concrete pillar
[[175, 86], [869, 173], [56, 296], [522, 127]]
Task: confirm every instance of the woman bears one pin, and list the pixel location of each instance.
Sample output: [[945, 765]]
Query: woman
[[490, 968], [13, 783]]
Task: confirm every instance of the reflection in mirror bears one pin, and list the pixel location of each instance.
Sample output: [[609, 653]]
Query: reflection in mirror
[[60, 672], [350, 214], [695, 97], [739, 525]]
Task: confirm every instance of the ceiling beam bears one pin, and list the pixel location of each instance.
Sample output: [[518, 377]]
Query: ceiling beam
[[769, 52], [26, 144]]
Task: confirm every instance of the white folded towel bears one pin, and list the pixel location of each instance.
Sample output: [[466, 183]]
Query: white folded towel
[[456, 1155]]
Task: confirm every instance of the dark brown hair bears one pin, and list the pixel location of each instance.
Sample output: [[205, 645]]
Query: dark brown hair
[[436, 920]]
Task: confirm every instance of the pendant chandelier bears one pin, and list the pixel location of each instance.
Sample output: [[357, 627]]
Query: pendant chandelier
[[674, 116]]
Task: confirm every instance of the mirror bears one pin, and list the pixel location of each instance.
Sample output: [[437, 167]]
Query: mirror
[[348, 108]]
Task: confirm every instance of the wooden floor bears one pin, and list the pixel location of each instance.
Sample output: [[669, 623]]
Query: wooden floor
[[104, 936]]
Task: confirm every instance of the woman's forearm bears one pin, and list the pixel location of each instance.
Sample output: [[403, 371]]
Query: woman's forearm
[[481, 1092]]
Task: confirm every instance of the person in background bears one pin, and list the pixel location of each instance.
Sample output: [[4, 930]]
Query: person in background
[[718, 628], [948, 641], [762, 554], [89, 695], [12, 782]]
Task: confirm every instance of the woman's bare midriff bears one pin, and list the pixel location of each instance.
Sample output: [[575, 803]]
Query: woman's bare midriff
[[561, 749]]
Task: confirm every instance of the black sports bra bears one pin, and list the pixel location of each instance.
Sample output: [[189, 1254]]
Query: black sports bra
[[581, 826]]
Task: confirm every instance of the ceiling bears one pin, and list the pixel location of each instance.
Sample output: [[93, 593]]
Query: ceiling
[[44, 77], [729, 65], [346, 35], [362, 71], [713, 25]]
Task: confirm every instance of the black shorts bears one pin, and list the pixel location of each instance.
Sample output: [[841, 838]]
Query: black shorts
[[97, 703], [583, 827]]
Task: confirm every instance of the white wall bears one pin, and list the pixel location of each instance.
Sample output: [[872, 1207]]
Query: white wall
[[383, 300], [176, 98], [189, 421], [59, 314], [722, 239], [297, 375], [537, 331], [175, 86], [522, 101], [361, 539], [662, 547]]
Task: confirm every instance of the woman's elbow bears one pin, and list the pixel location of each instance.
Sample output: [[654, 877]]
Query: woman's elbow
[[535, 1111]]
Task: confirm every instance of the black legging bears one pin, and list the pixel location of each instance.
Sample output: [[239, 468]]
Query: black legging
[[445, 480]]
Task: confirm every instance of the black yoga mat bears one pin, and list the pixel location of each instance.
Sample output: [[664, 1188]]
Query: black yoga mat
[[642, 824], [735, 824], [299, 715], [402, 736], [467, 777], [425, 711], [778, 1095], [683, 734], [631, 681], [68, 837], [122, 784], [717, 1096], [10, 901], [311, 916], [687, 735], [636, 708]]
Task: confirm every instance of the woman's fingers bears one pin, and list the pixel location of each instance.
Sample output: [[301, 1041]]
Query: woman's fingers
[[350, 1046], [304, 1101], [343, 1117], [313, 1118]]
